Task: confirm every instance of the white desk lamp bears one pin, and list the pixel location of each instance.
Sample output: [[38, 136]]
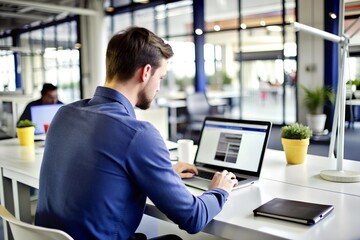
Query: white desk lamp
[[338, 175]]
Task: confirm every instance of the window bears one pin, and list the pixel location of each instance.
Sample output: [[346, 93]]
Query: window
[[52, 57]]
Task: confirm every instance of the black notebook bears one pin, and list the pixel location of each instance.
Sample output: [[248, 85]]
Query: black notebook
[[296, 211]]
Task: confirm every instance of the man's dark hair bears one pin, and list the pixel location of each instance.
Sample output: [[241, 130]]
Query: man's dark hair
[[132, 49], [47, 87]]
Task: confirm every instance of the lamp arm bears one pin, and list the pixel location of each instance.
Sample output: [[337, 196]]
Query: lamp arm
[[318, 32]]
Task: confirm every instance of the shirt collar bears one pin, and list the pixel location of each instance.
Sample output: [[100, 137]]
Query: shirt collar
[[117, 97]]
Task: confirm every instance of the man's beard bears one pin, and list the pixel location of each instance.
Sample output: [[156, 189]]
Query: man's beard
[[144, 102]]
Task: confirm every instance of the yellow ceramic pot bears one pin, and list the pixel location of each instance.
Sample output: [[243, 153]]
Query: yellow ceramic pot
[[26, 135], [295, 150]]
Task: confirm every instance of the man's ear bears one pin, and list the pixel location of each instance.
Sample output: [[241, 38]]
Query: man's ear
[[146, 72]]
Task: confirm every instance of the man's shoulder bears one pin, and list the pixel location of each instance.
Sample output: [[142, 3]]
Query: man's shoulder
[[35, 103]]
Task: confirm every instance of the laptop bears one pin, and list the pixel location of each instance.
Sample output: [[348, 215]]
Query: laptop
[[235, 145], [42, 114]]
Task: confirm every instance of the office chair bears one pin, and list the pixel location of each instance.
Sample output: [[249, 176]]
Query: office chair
[[21, 230], [198, 108]]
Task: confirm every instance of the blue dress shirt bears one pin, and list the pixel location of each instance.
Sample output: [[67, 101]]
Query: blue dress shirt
[[100, 164]]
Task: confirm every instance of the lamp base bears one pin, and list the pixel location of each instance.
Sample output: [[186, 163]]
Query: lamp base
[[340, 176]]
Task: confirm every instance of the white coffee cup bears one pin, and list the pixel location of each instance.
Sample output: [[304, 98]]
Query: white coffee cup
[[185, 150]]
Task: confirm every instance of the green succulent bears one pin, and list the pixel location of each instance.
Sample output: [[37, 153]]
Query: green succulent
[[296, 131], [25, 123]]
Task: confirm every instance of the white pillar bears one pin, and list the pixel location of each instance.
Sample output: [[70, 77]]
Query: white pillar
[[93, 44], [310, 50]]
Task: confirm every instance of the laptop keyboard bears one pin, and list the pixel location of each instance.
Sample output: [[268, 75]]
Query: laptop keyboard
[[209, 175], [206, 175]]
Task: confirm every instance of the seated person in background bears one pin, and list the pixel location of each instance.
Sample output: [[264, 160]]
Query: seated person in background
[[48, 96], [100, 163]]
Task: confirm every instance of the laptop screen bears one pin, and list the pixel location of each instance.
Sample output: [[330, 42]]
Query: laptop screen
[[233, 144], [43, 114]]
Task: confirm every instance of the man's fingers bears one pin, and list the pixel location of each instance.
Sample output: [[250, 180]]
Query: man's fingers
[[231, 175], [235, 182], [224, 172], [186, 175]]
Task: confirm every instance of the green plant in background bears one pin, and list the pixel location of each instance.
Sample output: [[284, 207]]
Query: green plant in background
[[220, 77], [296, 131], [184, 82], [355, 82], [25, 123], [70, 85], [315, 99]]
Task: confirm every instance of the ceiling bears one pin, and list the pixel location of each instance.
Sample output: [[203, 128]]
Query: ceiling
[[21, 13]]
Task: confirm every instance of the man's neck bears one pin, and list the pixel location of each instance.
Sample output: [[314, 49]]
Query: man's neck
[[128, 89]]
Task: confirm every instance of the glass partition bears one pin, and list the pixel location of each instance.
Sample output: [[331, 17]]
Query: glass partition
[[145, 18], [180, 18], [7, 67], [121, 22], [51, 56], [181, 67], [249, 52]]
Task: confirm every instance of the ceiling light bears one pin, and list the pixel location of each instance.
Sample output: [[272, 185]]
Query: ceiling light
[[77, 45], [198, 31], [243, 26], [332, 15], [274, 28], [141, 1], [217, 28]]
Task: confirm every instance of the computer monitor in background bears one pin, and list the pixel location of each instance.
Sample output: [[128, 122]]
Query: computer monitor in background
[[43, 114]]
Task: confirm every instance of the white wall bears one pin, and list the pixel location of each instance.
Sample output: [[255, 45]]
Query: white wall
[[310, 50]]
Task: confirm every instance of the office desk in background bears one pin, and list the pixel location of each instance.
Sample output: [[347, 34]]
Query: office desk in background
[[219, 101], [174, 119], [352, 103], [176, 106], [236, 220]]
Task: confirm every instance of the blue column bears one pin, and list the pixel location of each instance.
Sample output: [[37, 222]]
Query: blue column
[[17, 61], [199, 41], [331, 55]]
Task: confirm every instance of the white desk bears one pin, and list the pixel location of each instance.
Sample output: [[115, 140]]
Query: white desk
[[352, 102], [236, 220], [20, 168], [297, 182], [276, 168]]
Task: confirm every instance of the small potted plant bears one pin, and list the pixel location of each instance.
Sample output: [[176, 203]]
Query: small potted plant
[[353, 89], [25, 130], [295, 139], [314, 100]]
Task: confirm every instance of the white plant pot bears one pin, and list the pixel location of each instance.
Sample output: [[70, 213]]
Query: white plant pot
[[316, 122]]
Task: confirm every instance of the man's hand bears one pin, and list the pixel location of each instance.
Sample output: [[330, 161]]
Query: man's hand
[[185, 170], [224, 180]]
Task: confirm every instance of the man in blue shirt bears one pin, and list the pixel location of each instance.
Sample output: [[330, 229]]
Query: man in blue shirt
[[100, 163], [48, 96]]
